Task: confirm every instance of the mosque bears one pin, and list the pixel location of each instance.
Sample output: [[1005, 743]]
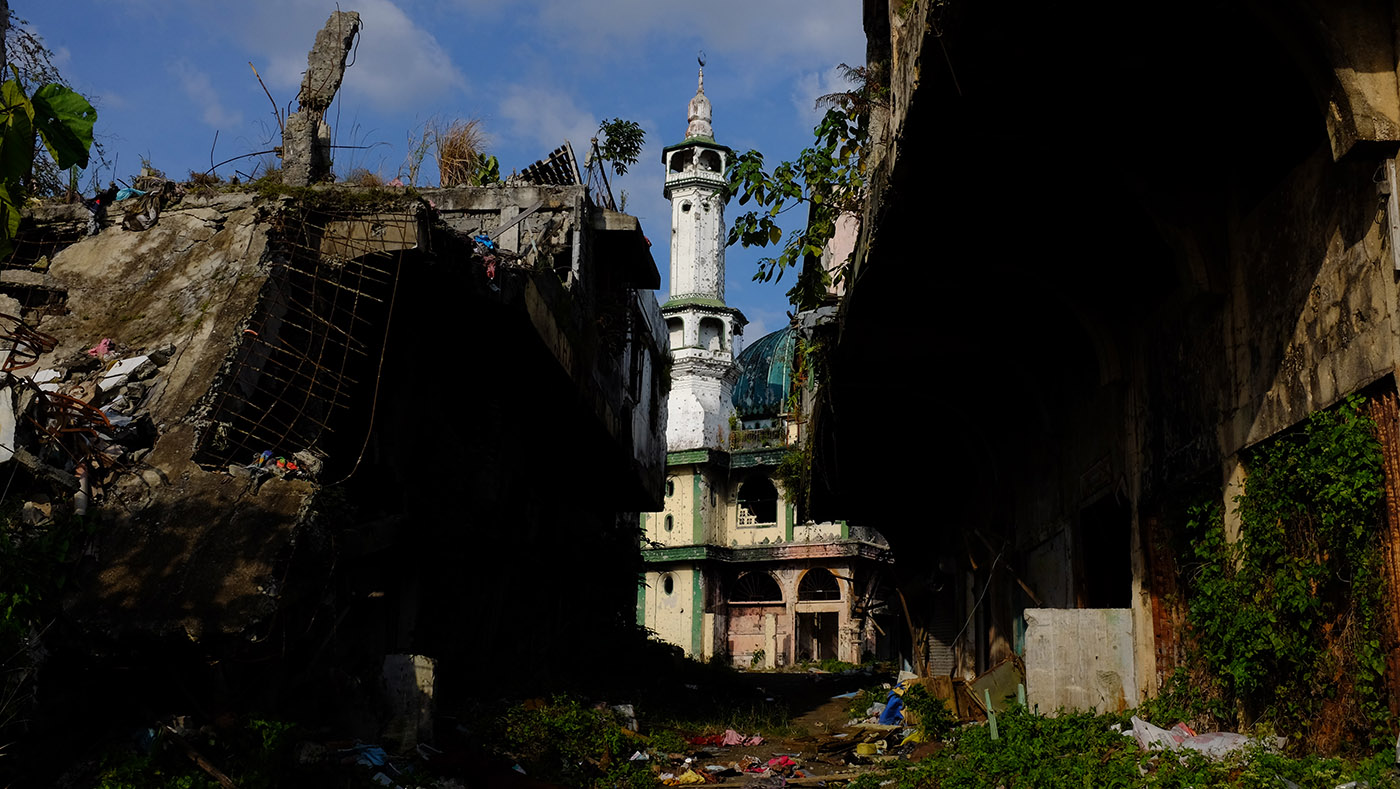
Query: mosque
[[733, 568]]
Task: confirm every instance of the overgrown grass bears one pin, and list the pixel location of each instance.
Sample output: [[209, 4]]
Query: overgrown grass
[[1080, 749], [563, 741], [254, 754]]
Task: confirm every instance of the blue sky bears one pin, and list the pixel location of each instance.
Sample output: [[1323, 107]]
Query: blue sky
[[165, 75]]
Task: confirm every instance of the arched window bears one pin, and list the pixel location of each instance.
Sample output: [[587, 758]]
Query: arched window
[[818, 584], [670, 523], [758, 503], [668, 584], [709, 160], [679, 160], [711, 334], [756, 587], [676, 328]]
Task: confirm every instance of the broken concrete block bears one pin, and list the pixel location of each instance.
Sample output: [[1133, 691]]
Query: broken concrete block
[[118, 373], [162, 356], [305, 135]]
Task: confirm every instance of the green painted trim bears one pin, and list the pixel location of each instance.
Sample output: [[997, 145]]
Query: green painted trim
[[764, 553], [696, 301], [697, 508], [697, 616], [692, 457], [707, 304], [845, 530], [698, 142], [642, 601], [790, 516], [687, 457], [752, 458], [677, 554]]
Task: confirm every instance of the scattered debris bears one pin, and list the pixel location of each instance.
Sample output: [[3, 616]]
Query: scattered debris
[[1212, 745]]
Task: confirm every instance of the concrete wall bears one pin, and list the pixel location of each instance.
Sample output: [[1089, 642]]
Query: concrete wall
[[1239, 280], [677, 615], [697, 234], [1080, 659]]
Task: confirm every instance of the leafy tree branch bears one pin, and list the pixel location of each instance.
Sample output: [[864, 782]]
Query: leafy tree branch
[[826, 178], [620, 142]]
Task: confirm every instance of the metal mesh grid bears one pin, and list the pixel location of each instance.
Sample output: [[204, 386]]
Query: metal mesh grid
[[322, 318]]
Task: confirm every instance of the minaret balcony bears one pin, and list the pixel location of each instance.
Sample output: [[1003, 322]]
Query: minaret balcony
[[705, 177], [700, 360]]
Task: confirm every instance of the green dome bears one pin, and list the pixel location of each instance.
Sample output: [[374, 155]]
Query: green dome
[[765, 377]]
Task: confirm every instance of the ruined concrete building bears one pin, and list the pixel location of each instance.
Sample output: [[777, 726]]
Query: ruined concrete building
[[297, 438], [1107, 251], [307, 431], [734, 570]]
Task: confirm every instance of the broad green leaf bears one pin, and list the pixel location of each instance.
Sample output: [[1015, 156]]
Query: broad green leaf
[[9, 219], [16, 137], [65, 119]]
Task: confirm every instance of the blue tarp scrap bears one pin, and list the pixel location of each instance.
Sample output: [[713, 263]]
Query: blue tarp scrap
[[894, 711]]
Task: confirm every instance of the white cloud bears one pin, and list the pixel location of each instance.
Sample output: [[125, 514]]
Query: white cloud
[[800, 33], [813, 84], [197, 86], [547, 117], [396, 64]]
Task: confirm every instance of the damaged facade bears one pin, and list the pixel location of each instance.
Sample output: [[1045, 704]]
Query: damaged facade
[[310, 429], [733, 571], [1168, 240]]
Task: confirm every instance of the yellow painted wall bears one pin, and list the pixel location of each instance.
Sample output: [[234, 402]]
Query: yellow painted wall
[[671, 615], [678, 506]]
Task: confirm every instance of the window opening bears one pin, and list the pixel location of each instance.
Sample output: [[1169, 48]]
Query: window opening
[[817, 585], [756, 587], [758, 503]]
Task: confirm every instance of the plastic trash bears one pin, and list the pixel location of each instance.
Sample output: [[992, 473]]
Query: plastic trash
[[1212, 745], [894, 710]]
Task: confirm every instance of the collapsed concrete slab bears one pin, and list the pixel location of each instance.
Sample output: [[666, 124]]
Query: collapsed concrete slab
[[333, 449]]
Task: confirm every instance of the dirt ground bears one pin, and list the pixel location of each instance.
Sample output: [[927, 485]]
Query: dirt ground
[[819, 738]]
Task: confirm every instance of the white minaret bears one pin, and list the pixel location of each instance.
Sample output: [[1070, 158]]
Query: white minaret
[[702, 328]]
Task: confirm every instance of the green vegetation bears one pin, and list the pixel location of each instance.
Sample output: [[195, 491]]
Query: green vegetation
[[934, 718], [563, 741], [825, 178], [1080, 749], [620, 142], [256, 753], [864, 699], [1286, 620], [53, 114]]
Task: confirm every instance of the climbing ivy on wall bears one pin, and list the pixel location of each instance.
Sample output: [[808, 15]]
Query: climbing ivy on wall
[[1288, 617]]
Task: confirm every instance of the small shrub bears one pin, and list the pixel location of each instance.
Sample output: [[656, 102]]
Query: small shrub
[[934, 717], [460, 146], [362, 177], [201, 179]]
